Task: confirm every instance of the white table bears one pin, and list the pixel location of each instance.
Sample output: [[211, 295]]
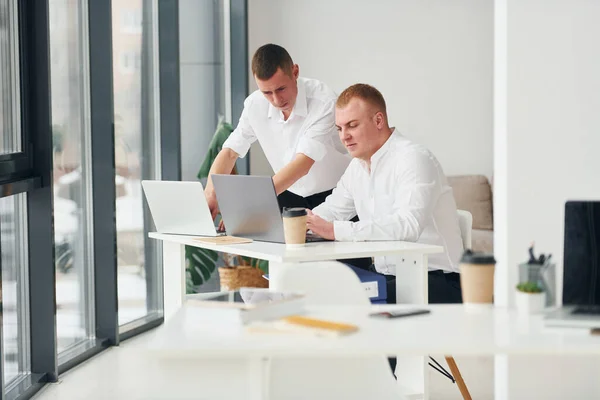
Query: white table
[[488, 331], [411, 262], [195, 336], [410, 259]]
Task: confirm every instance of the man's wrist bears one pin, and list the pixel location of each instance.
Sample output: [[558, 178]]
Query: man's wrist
[[332, 231]]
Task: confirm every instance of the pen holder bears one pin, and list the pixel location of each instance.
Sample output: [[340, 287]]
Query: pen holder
[[543, 275]]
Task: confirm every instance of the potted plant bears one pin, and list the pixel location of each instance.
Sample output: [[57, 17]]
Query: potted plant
[[202, 263], [530, 298]]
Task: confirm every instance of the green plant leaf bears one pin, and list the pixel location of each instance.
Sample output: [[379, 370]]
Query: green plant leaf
[[201, 264], [529, 287], [220, 136]]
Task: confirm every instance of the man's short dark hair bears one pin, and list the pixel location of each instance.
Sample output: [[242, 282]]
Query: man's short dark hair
[[268, 58]]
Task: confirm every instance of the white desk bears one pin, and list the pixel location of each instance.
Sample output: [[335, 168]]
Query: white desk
[[411, 262], [411, 265], [196, 335]]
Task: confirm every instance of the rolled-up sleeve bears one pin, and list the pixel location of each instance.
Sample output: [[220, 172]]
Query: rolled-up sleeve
[[319, 133], [242, 137], [339, 207]]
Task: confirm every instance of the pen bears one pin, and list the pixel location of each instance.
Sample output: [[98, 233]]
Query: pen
[[531, 255]]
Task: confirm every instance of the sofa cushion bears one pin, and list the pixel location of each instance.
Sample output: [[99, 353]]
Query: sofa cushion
[[474, 194], [482, 240]]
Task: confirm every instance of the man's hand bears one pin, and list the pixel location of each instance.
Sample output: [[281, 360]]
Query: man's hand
[[319, 226]]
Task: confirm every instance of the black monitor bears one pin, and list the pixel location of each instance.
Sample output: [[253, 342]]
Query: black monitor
[[581, 274]]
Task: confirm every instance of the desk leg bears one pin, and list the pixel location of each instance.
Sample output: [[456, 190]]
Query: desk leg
[[173, 277], [412, 288], [258, 378]]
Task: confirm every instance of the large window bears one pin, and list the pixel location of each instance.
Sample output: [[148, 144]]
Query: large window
[[14, 299], [80, 124], [69, 75], [10, 138], [14, 293], [136, 156]]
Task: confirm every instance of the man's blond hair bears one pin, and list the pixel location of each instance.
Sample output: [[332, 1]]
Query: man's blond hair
[[367, 93]]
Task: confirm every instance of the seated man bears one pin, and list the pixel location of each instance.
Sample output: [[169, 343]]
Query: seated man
[[398, 190]]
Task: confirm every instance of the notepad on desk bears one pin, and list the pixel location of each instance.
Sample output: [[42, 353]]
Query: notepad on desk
[[250, 304], [223, 240]]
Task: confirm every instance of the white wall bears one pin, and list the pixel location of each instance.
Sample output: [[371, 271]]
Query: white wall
[[432, 60], [548, 153], [553, 118]]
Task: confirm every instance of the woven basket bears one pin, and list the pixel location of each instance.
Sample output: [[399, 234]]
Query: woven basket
[[233, 278]]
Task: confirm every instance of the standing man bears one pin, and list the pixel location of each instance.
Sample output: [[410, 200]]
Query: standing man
[[397, 188], [293, 120]]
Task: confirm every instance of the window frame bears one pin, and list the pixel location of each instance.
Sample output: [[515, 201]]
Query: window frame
[[30, 171]]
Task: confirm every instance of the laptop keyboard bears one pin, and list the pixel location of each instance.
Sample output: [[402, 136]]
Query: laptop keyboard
[[587, 310]]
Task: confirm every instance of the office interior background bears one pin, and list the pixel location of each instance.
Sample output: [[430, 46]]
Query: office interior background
[[98, 95]]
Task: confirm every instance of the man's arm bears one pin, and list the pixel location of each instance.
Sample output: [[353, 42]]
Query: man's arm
[[292, 172], [223, 164], [338, 206], [413, 198], [237, 145], [311, 148]]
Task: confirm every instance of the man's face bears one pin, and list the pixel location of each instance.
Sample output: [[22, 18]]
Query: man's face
[[357, 125], [280, 89]]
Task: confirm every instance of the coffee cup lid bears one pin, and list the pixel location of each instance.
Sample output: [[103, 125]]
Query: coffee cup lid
[[293, 212], [470, 257]]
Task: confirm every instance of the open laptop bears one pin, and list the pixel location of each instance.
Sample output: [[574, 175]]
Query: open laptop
[[581, 274], [250, 209], [179, 208]]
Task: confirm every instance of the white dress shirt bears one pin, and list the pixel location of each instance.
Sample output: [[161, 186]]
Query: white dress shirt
[[405, 196], [310, 130]]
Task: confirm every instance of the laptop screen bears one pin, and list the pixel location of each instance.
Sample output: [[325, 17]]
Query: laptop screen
[[581, 275]]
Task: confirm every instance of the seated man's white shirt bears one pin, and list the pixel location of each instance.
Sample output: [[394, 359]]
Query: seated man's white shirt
[[309, 130], [405, 196]]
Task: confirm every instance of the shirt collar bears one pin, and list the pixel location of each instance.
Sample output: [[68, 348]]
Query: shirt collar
[[382, 150], [300, 107]]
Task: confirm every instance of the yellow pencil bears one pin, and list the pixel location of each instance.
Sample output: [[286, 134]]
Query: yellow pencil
[[321, 324]]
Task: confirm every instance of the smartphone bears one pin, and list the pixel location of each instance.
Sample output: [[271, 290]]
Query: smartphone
[[399, 313]]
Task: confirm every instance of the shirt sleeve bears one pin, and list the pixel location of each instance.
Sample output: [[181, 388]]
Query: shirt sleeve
[[339, 205], [242, 137], [319, 133], [414, 196]]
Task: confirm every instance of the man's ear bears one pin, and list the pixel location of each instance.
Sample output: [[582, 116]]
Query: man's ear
[[295, 71], [379, 120]]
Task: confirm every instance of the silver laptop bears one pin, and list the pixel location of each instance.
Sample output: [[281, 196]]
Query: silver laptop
[[250, 209], [581, 268], [179, 208]]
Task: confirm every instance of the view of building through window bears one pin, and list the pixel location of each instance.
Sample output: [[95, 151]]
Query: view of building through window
[[72, 166]]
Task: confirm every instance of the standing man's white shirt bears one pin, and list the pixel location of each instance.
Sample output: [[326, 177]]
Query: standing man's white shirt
[[309, 130], [405, 196]]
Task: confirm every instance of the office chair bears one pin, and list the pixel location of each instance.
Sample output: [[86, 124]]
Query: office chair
[[327, 377]]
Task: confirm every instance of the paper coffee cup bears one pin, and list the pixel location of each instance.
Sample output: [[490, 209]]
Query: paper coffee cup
[[294, 225], [477, 277]]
